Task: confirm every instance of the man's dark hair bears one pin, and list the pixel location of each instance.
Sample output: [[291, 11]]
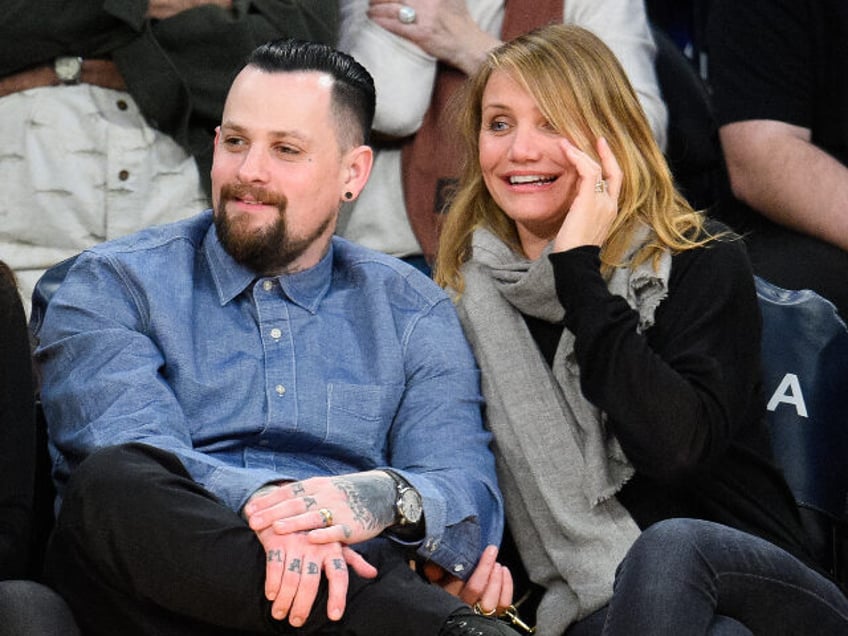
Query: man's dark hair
[[353, 87]]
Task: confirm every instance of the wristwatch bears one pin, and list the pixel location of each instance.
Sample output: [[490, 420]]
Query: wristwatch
[[408, 508], [68, 69]]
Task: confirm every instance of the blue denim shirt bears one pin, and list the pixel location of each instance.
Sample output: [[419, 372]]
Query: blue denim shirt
[[358, 363]]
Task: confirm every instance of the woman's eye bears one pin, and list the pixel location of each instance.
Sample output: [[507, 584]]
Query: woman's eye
[[498, 125]]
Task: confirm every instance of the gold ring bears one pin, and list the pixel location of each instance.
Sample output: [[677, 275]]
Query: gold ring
[[478, 609], [327, 516], [601, 186]]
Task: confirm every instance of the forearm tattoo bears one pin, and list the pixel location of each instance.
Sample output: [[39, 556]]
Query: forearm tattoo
[[370, 499]]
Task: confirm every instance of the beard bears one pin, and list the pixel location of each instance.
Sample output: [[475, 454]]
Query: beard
[[265, 250]]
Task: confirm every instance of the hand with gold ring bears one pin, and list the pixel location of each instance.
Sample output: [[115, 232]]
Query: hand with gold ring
[[594, 205], [478, 609], [349, 508], [274, 502], [488, 591], [326, 517]]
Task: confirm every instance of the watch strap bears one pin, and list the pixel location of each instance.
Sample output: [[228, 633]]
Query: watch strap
[[402, 488]]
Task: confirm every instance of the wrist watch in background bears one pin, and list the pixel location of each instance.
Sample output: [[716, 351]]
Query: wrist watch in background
[[68, 69], [408, 507]]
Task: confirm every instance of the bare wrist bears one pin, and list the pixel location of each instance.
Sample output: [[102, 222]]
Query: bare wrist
[[473, 55]]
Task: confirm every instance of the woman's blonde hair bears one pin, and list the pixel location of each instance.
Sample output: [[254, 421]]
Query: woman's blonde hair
[[582, 90]]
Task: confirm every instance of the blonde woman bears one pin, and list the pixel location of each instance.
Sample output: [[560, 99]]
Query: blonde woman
[[617, 332]]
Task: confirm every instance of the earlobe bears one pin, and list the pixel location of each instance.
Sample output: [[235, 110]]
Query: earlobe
[[360, 160]]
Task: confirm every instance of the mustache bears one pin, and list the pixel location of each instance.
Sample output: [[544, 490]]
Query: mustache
[[232, 191]]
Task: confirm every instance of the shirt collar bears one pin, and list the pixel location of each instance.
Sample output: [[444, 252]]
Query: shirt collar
[[305, 288]]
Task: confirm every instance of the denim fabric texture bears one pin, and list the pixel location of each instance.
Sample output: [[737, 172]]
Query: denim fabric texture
[[683, 573], [355, 364]]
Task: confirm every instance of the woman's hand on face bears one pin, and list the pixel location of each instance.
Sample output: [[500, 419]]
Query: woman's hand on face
[[595, 206]]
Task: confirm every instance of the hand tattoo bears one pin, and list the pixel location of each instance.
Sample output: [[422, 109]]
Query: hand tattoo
[[294, 566], [371, 499], [275, 555]]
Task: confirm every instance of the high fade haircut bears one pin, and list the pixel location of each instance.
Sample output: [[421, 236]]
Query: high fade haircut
[[353, 92]]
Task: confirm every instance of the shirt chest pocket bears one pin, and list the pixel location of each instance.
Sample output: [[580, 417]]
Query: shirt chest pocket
[[359, 417]]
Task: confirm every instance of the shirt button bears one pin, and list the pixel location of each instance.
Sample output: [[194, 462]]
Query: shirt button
[[123, 175], [122, 104], [458, 568], [280, 389], [268, 285], [276, 333]]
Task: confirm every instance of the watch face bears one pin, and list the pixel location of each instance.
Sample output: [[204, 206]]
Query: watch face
[[68, 69], [409, 506]]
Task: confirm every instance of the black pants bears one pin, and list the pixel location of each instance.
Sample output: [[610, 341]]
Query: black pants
[[141, 548]]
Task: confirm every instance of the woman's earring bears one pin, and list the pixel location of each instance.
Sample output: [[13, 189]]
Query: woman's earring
[[348, 195]]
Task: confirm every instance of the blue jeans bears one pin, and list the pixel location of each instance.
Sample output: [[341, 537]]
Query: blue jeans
[[688, 576]]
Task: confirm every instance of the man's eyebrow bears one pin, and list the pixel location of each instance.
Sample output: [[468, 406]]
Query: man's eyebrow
[[279, 134]]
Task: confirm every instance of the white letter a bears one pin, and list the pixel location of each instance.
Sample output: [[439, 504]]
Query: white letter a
[[789, 392]]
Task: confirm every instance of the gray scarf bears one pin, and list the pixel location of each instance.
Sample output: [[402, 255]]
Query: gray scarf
[[559, 467]]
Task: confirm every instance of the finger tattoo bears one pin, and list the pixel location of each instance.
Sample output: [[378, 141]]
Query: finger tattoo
[[275, 556], [312, 568], [295, 566]]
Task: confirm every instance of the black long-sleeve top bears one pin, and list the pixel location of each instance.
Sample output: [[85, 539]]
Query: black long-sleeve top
[[17, 435], [683, 398]]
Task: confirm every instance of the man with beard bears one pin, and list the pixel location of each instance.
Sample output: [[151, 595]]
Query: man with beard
[[257, 424]]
